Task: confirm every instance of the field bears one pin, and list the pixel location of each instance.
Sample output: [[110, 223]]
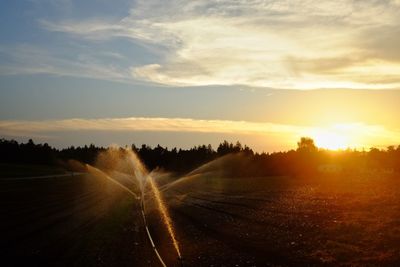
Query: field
[[284, 221], [70, 221], [23, 170], [83, 220]]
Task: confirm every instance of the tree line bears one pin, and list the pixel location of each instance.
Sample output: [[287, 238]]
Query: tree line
[[238, 160]]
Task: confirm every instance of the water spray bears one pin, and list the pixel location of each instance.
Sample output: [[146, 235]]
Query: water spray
[[165, 216], [142, 176], [101, 173]]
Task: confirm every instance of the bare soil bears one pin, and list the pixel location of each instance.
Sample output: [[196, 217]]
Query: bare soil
[[266, 221]]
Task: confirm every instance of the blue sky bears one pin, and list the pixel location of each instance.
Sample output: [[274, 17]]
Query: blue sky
[[292, 68]]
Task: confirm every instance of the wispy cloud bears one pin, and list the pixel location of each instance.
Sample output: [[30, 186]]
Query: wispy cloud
[[29, 59], [145, 124], [356, 134], [280, 44]]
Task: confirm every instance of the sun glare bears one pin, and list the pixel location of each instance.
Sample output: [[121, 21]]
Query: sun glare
[[332, 141], [338, 136], [350, 135]]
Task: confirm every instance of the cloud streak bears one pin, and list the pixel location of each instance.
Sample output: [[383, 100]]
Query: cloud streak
[[144, 124], [280, 44], [28, 59], [357, 134]]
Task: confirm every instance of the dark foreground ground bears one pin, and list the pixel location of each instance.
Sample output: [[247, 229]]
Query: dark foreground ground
[[70, 221], [270, 221], [282, 221]]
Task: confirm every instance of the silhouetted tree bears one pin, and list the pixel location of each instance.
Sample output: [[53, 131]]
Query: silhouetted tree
[[306, 144], [302, 161]]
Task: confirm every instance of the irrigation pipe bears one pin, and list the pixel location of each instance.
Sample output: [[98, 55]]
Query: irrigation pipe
[[148, 233], [141, 208]]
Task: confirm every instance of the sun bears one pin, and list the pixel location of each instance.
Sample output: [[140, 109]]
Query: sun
[[331, 140]]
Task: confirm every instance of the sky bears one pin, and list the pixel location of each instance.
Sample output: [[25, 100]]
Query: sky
[[184, 73]]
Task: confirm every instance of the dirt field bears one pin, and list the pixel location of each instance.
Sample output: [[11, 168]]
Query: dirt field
[[283, 221], [269, 221], [70, 221], [23, 170]]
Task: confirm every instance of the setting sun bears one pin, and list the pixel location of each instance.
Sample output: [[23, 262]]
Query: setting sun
[[351, 135], [347, 135], [331, 141]]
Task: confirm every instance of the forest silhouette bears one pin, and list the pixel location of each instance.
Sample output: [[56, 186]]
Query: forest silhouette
[[240, 161]]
